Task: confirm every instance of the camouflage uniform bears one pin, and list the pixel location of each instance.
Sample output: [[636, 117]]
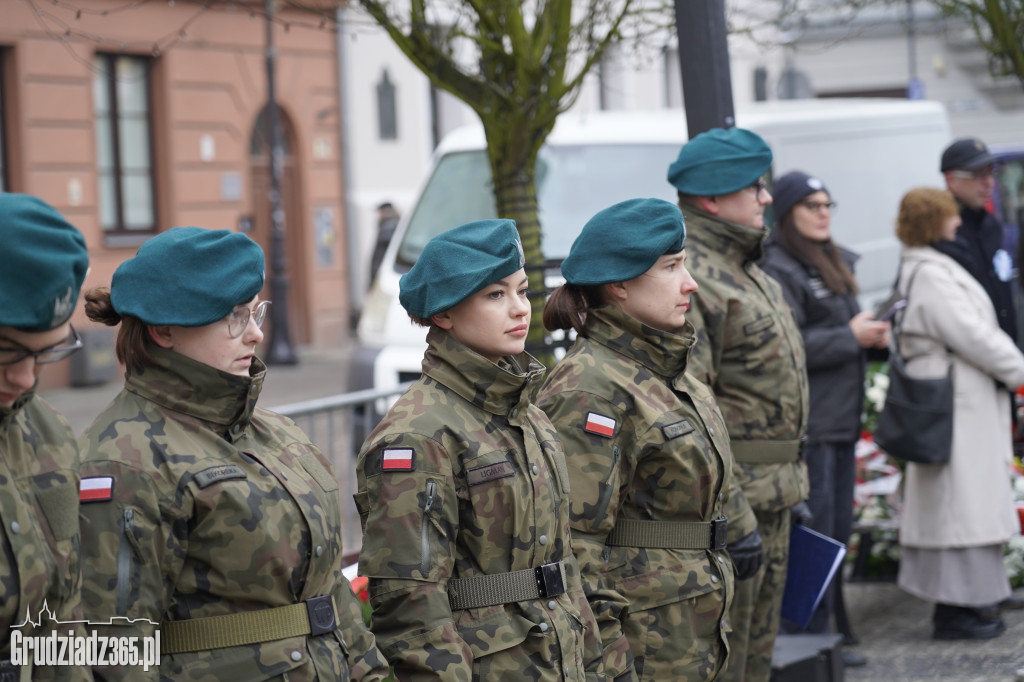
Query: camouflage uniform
[[39, 541], [644, 440], [749, 351], [483, 491], [217, 507]]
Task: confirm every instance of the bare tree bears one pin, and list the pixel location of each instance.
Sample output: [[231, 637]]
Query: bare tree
[[999, 27], [518, 65]]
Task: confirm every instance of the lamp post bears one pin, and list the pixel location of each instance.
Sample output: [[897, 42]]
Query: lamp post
[[704, 65], [280, 350]]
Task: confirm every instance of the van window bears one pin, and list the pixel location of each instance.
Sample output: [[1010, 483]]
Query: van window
[[1011, 201], [573, 183]]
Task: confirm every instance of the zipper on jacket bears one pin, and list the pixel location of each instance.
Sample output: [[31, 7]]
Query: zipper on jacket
[[124, 562], [428, 503]]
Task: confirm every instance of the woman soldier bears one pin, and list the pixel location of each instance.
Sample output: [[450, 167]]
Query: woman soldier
[[43, 261], [647, 449], [215, 520], [463, 493]]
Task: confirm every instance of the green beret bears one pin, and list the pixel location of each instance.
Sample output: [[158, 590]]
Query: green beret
[[43, 261], [188, 277], [458, 263], [623, 241], [719, 162]]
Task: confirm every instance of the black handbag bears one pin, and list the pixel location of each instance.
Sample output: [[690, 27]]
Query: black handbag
[[916, 423]]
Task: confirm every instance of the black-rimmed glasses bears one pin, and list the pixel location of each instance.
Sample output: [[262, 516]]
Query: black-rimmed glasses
[[759, 185], [238, 319], [46, 356], [815, 206]]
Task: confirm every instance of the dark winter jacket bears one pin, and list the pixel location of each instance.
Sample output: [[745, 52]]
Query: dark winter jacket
[[979, 249], [835, 362]]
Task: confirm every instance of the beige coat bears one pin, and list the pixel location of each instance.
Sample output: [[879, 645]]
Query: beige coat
[[967, 502]]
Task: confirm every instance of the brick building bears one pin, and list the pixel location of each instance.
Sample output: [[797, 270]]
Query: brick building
[[132, 118]]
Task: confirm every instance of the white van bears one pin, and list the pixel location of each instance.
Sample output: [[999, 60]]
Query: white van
[[868, 153]]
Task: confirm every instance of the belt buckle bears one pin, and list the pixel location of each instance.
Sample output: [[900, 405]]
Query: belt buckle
[[549, 579], [719, 529], [321, 615]]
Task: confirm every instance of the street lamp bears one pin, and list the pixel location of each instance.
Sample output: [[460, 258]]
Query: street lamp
[[280, 350]]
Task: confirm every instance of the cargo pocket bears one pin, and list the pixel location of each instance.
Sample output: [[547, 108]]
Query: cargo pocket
[[496, 641]]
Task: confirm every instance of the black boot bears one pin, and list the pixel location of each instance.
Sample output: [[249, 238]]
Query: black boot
[[963, 622]]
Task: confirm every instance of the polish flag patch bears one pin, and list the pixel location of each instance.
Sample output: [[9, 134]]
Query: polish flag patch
[[96, 489], [600, 425], [396, 459]]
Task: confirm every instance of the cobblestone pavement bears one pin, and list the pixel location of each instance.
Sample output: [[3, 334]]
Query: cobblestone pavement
[[894, 629]]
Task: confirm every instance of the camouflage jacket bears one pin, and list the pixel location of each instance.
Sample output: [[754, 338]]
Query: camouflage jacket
[[40, 578], [465, 477], [644, 440], [749, 351], [216, 507]]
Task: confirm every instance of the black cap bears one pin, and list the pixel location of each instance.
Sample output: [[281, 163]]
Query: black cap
[[968, 153]]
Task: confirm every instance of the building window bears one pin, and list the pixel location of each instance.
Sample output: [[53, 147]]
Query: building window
[[387, 118], [124, 144]]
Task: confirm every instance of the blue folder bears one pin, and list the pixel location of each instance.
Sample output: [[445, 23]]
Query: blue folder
[[813, 561]]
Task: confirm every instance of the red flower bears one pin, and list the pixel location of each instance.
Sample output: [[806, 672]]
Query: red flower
[[359, 588]]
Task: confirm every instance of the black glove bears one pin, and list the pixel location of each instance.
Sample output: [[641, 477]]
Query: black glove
[[747, 555], [800, 514]]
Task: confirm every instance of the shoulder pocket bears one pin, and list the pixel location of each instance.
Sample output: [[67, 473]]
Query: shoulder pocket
[[311, 463], [60, 507]]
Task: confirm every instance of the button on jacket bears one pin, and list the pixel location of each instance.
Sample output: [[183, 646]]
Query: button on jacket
[[39, 540], [463, 478], [663, 454], [216, 507], [749, 352]]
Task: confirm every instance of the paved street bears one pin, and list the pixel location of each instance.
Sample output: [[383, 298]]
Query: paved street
[[894, 628]]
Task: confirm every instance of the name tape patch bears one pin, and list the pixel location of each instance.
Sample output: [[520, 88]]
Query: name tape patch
[[600, 425], [490, 472], [224, 472], [680, 428], [397, 459], [96, 489]]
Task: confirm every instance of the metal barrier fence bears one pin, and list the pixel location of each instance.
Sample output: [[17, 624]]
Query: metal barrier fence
[[338, 425]]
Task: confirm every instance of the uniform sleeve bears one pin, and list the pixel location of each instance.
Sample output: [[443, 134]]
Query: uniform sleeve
[[742, 521], [826, 346], [409, 513], [365, 661], [599, 469], [132, 549]]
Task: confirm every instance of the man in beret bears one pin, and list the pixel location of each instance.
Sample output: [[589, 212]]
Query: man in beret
[[970, 173], [43, 261], [749, 351]]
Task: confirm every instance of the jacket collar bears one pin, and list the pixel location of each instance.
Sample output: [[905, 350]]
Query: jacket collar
[[7, 413], [498, 389], [724, 236], [181, 384], [664, 353]]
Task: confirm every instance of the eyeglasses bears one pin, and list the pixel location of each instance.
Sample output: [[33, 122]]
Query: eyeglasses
[[815, 206], [980, 174], [759, 186], [238, 319], [46, 356]]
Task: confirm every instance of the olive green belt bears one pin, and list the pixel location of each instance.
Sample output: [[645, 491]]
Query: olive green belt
[[505, 588], [767, 451], [314, 616], [669, 534]]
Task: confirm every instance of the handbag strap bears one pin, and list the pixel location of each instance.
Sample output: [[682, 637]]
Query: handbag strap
[[897, 319]]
